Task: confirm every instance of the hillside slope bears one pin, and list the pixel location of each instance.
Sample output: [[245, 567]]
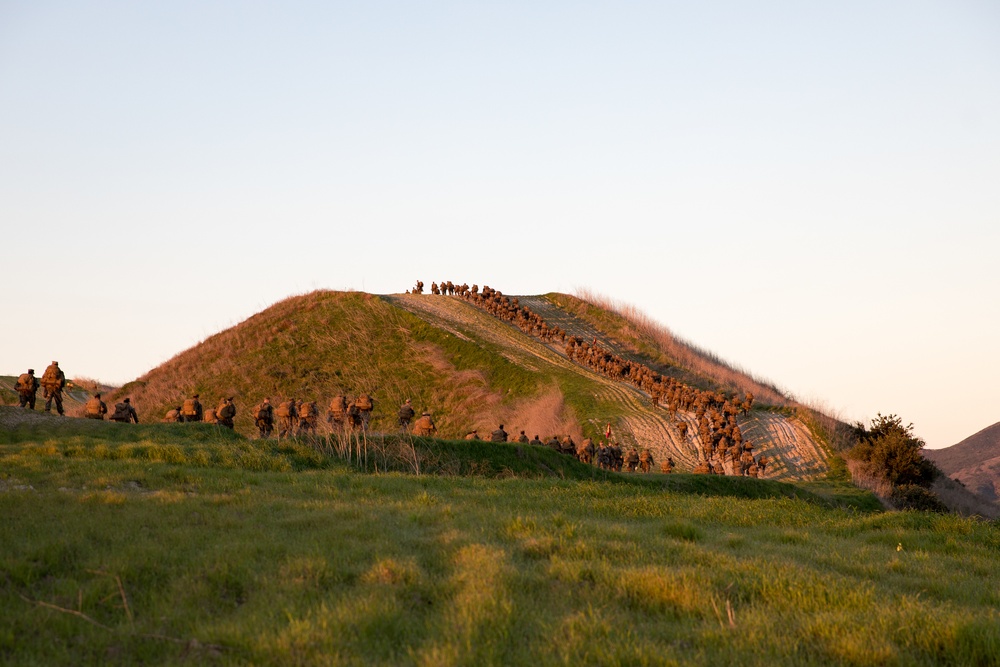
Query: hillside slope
[[466, 367], [975, 462]]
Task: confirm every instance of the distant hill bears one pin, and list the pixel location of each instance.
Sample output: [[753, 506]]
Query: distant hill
[[975, 462], [471, 371]]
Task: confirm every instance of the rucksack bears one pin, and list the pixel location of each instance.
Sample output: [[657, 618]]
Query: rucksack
[[93, 406], [189, 409], [24, 383], [364, 402], [261, 412], [284, 410], [51, 377], [307, 409]]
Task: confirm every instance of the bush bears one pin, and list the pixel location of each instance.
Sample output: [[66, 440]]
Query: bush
[[891, 449], [913, 497]]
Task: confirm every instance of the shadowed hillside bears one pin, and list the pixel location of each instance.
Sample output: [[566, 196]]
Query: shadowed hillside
[[975, 462], [466, 367]]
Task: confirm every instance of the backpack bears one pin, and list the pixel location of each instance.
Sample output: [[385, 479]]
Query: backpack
[[24, 383], [307, 409], [261, 412], [93, 406], [364, 402], [209, 416], [285, 409], [121, 412], [189, 409], [51, 377]]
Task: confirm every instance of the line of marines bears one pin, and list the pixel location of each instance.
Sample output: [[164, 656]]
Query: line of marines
[[53, 382], [715, 412]]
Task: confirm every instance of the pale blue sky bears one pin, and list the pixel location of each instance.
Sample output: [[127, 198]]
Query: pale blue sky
[[811, 190]]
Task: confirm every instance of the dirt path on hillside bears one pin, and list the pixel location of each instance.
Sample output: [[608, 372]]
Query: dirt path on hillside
[[12, 416], [787, 443]]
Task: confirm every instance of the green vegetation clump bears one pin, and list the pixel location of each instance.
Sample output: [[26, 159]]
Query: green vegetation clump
[[914, 497], [891, 452]]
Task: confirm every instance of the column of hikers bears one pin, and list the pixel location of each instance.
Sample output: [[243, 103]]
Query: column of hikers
[[715, 412], [52, 384]]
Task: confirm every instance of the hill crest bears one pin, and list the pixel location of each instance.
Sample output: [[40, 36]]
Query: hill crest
[[465, 366]]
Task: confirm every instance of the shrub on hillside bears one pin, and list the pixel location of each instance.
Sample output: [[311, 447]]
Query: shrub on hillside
[[913, 497], [891, 450]]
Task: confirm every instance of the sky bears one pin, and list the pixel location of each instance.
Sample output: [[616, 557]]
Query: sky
[[809, 190]]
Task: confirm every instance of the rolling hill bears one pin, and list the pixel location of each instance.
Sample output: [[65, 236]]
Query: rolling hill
[[472, 370], [975, 462]]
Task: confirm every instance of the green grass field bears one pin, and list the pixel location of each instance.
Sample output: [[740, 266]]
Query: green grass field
[[187, 544]]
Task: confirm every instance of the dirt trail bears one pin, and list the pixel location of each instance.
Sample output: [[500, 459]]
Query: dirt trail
[[793, 451]]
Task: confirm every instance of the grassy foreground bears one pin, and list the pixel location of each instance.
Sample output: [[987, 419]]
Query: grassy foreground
[[173, 544]]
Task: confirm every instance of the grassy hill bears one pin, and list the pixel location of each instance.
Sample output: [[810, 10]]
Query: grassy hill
[[168, 544], [470, 370], [975, 462]]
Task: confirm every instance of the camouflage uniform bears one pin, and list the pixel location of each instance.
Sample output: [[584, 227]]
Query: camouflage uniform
[[406, 414], [307, 415], [472, 435], [264, 418], [338, 411], [173, 416], [124, 412], [191, 410], [286, 416], [365, 405], [523, 439], [632, 461], [27, 388], [53, 381], [425, 425], [226, 412], [95, 408], [499, 435], [645, 459]]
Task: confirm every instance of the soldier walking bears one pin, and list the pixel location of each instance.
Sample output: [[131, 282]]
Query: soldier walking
[[53, 381], [338, 412], [27, 388], [365, 405], [499, 435], [406, 414], [645, 459], [307, 417], [263, 417], [286, 415], [226, 413]]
